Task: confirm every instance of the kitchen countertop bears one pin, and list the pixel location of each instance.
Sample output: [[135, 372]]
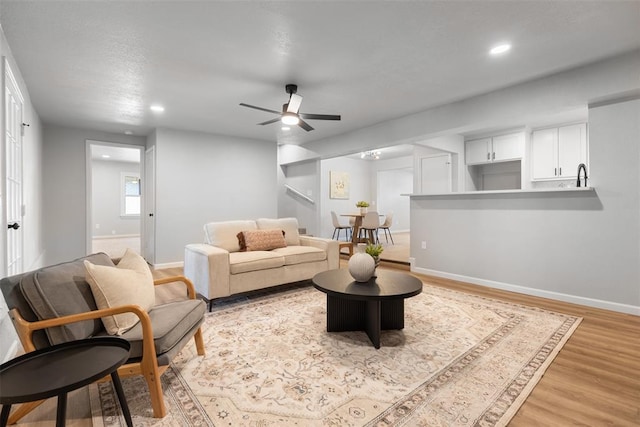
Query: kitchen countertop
[[522, 191]]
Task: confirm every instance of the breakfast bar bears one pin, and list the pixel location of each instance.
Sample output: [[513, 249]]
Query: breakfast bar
[[537, 241]]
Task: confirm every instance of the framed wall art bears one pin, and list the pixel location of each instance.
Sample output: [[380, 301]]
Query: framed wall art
[[339, 185]]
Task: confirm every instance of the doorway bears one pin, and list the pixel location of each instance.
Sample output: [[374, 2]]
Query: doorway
[[114, 198], [435, 174]]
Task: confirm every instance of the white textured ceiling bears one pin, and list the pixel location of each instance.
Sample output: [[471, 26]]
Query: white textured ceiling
[[100, 64]]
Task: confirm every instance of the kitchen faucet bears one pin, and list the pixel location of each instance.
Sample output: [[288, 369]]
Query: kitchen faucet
[[584, 168]]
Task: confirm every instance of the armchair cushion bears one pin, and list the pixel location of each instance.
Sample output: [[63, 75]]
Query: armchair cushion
[[61, 290], [170, 322], [129, 282]]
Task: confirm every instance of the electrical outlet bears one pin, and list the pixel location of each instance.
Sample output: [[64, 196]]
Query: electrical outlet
[[424, 245], [97, 226]]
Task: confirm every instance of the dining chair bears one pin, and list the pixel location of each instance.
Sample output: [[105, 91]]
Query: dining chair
[[386, 227], [337, 227], [370, 225]]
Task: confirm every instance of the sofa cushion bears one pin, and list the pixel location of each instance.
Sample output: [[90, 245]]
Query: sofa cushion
[[288, 225], [129, 282], [170, 323], [242, 262], [301, 254], [224, 234], [261, 240], [61, 290]]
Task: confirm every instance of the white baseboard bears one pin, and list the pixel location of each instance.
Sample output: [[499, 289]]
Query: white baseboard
[[574, 299], [168, 265], [115, 236]]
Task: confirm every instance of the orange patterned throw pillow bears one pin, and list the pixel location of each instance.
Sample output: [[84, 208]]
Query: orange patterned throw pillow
[[261, 240]]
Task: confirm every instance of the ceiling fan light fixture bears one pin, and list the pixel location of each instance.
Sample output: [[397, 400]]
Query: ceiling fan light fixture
[[290, 119], [373, 154]]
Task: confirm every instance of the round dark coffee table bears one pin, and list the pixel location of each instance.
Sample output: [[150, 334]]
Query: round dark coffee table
[[370, 306], [59, 369]]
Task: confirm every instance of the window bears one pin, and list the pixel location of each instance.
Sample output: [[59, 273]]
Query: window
[[130, 186]]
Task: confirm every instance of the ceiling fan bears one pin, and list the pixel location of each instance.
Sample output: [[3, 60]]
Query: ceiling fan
[[290, 114]]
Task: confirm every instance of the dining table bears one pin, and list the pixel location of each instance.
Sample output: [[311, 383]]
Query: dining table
[[356, 228]]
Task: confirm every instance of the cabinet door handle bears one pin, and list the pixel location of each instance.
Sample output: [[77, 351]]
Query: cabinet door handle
[[555, 171], [488, 156], [493, 156], [560, 171]]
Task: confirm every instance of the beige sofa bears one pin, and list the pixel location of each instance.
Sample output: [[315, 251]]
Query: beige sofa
[[219, 268]]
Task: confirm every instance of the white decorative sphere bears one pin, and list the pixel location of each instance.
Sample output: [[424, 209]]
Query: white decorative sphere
[[361, 267]]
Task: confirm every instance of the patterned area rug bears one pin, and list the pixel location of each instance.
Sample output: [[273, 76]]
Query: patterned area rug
[[461, 360]]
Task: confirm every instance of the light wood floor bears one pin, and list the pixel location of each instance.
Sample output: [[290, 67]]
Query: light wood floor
[[594, 380], [396, 250]]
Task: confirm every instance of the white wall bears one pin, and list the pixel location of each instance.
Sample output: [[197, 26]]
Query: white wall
[[204, 177], [106, 185], [303, 177], [360, 189], [64, 190], [578, 247]]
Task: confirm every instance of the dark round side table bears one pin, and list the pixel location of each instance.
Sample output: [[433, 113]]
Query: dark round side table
[[59, 369]]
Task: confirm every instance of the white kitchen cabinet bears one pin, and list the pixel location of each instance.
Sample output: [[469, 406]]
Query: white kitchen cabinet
[[477, 151], [494, 149], [557, 152]]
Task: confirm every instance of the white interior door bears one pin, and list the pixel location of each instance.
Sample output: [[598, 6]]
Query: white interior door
[[149, 199], [435, 174], [13, 173]]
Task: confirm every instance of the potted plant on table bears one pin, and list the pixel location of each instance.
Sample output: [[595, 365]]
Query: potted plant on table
[[374, 251], [363, 206]]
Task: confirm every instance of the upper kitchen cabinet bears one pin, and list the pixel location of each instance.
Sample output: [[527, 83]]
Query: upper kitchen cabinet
[[557, 152], [500, 148]]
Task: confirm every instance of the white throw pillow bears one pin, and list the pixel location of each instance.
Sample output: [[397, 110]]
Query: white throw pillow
[[128, 283], [289, 225]]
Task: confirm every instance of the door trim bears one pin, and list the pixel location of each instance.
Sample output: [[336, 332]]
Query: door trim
[[449, 174], [89, 186], [8, 78]]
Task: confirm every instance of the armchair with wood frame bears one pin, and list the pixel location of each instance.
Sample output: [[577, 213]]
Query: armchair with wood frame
[[55, 304]]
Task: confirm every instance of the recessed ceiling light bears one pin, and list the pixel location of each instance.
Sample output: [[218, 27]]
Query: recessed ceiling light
[[285, 128], [501, 48], [128, 132], [157, 108], [105, 156]]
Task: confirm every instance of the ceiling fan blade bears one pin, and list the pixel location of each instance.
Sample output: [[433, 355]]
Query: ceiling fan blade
[[268, 122], [294, 103], [304, 125], [260, 108], [319, 116]]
